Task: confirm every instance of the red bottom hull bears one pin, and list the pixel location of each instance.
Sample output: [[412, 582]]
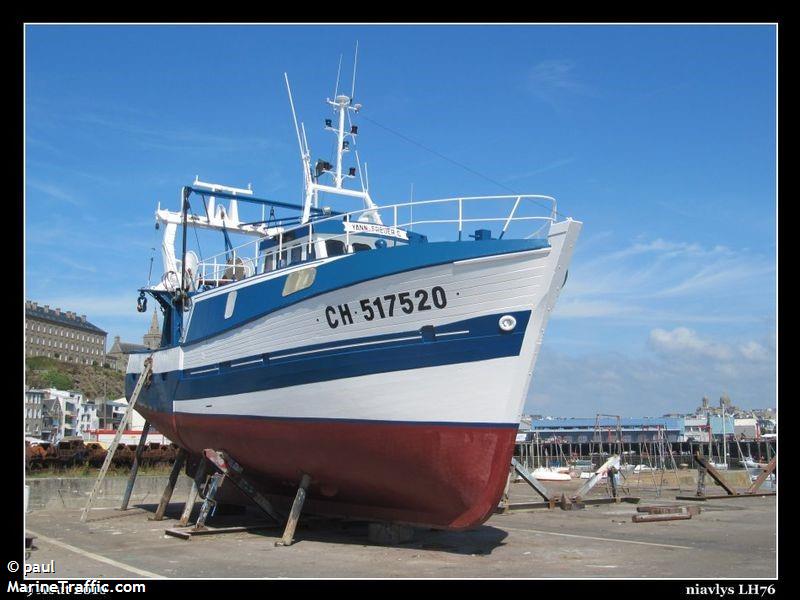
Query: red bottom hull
[[430, 475]]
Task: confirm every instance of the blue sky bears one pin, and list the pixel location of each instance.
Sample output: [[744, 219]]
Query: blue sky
[[661, 139]]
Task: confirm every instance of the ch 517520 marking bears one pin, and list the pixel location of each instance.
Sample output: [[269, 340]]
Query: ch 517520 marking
[[383, 307]]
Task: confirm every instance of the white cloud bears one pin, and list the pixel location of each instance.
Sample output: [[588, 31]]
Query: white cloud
[[754, 351], [667, 281], [684, 341], [556, 74], [53, 191], [680, 368]]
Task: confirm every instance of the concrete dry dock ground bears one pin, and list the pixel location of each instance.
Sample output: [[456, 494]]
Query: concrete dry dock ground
[[730, 538]]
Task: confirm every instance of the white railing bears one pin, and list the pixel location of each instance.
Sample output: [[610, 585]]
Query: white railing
[[217, 269]]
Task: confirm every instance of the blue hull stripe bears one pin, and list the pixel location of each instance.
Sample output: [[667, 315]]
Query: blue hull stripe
[[472, 340], [260, 299], [313, 420]]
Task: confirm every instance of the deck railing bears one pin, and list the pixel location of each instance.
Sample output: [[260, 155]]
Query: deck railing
[[435, 217]]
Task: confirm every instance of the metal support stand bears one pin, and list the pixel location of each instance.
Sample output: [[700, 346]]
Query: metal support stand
[[210, 503], [180, 460], [294, 515], [226, 469], [762, 477], [531, 480], [563, 502], [705, 467], [137, 459], [701, 480], [613, 473], [233, 471], [144, 379], [613, 461]]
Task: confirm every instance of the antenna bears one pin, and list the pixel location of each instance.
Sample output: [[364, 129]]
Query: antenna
[[355, 63], [338, 71], [360, 174], [305, 141], [294, 116]]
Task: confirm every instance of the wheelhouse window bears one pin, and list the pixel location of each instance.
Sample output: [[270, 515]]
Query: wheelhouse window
[[357, 247], [297, 254], [334, 247], [269, 262]]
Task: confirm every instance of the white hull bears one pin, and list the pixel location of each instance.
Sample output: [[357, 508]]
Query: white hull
[[486, 391]]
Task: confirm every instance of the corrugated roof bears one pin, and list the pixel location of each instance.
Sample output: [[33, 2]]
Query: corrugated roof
[[68, 319], [606, 422]]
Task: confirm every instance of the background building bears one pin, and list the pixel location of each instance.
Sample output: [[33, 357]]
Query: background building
[[152, 339], [634, 429], [61, 412], [34, 402], [117, 357], [62, 335]]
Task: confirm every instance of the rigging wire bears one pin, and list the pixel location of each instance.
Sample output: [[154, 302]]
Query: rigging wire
[[452, 161]]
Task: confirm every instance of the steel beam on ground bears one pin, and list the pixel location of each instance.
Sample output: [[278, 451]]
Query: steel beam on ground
[[586, 488], [531, 480], [762, 477]]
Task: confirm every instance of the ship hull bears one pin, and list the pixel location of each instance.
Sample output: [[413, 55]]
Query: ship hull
[[444, 476], [410, 418]]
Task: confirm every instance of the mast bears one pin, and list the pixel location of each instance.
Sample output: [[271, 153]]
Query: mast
[[341, 104], [724, 438]]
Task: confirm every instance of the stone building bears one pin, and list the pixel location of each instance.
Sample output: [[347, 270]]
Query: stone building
[[117, 356], [118, 353], [62, 335], [152, 339]]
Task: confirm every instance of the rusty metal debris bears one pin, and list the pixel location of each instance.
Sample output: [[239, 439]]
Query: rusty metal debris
[[651, 514], [72, 452]]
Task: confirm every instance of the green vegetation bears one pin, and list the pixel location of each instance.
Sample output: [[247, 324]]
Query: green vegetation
[[92, 381]]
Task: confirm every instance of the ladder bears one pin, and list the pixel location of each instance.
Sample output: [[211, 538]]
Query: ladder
[[144, 379]]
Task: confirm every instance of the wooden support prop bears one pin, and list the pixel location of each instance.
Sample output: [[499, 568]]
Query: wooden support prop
[[144, 378], [505, 503], [137, 459], [762, 477], [173, 478], [199, 476], [294, 515]]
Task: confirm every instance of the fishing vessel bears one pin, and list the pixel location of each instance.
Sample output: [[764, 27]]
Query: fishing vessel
[[385, 350]]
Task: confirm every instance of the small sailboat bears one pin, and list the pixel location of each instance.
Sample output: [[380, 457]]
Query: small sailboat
[[552, 474]]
